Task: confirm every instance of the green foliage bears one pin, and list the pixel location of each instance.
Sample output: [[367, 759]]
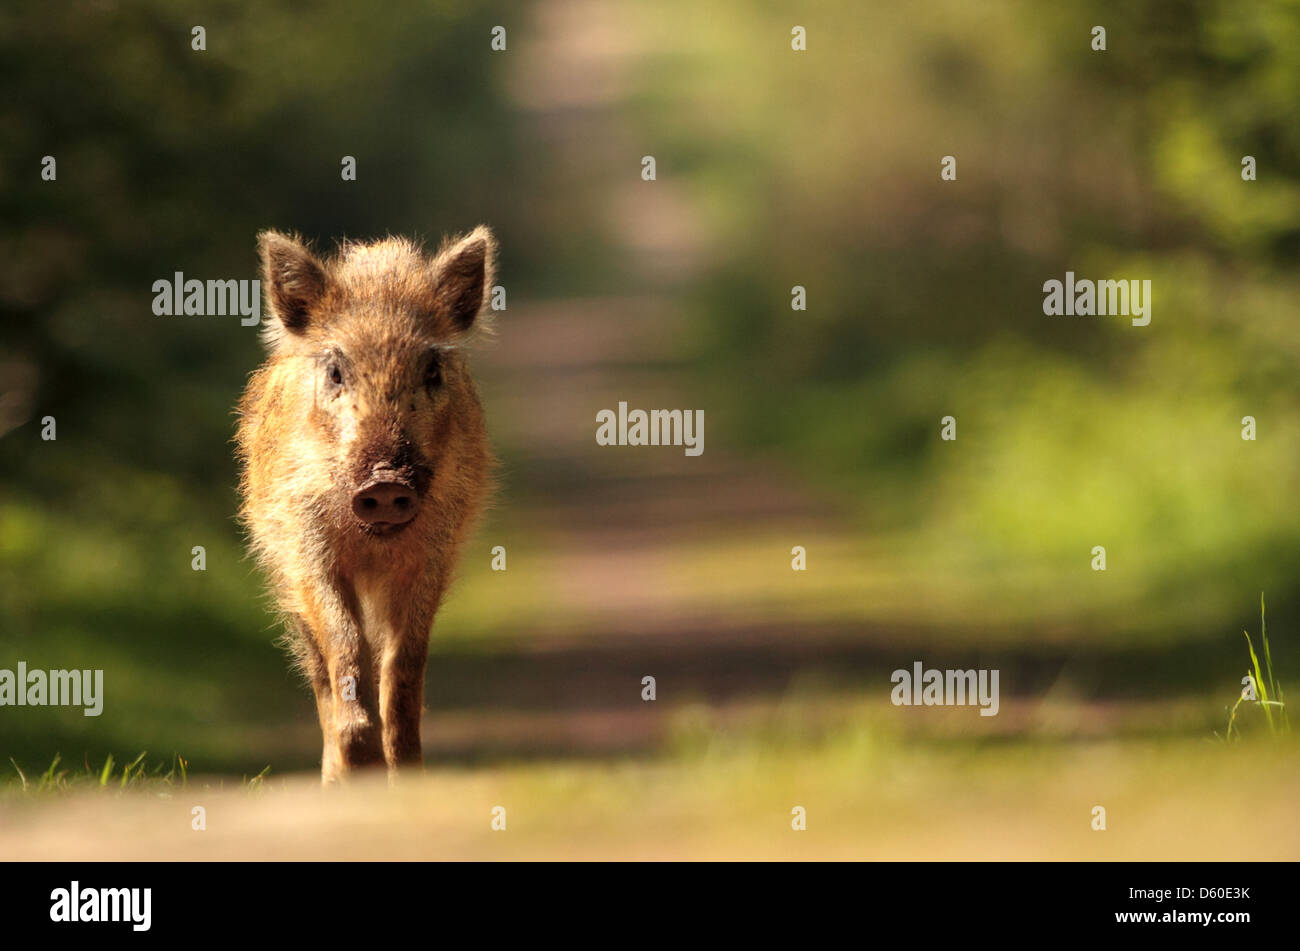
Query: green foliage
[[822, 169]]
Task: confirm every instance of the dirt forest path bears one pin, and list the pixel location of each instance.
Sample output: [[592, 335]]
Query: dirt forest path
[[647, 562], [651, 562], [612, 525]]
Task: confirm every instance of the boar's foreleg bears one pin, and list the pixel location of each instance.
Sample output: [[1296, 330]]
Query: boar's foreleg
[[339, 664], [401, 694]]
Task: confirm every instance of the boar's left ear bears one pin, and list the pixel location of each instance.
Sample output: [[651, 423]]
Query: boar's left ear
[[295, 280], [463, 272]]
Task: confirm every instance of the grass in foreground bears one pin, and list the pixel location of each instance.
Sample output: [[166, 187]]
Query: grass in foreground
[[136, 775], [1261, 687]]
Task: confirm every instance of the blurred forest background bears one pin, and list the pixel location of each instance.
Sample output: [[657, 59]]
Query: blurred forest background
[[774, 168]]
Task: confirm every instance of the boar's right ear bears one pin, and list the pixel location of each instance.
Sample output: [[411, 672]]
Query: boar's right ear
[[463, 273], [294, 279]]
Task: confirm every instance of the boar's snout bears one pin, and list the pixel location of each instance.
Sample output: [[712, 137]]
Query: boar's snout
[[386, 501]]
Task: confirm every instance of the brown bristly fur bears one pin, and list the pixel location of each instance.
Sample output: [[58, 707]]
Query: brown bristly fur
[[348, 391]]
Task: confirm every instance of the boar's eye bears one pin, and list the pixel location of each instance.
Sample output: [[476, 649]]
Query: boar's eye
[[433, 373], [333, 374]]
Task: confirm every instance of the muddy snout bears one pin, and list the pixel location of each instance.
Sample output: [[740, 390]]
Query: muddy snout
[[387, 500]]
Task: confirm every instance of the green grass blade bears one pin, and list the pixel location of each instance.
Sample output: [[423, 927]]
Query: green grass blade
[[1259, 682], [126, 773], [1232, 718], [107, 771], [1268, 653], [48, 778], [20, 773]]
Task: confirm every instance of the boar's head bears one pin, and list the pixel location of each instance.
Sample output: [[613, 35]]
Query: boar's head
[[374, 339]]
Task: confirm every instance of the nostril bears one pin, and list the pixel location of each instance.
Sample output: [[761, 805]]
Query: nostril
[[385, 503]]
